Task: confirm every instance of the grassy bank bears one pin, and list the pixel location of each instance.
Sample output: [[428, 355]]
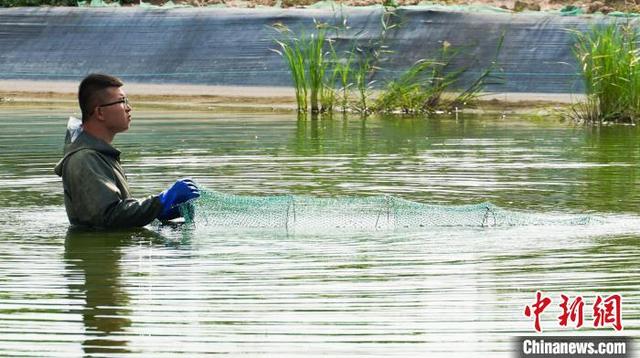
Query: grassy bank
[[609, 61]]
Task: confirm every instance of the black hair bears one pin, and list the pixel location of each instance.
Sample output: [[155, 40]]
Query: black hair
[[91, 89]]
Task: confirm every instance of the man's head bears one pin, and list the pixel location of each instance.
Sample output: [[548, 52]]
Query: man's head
[[101, 99]]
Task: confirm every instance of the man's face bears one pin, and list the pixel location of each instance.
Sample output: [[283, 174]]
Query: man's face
[[116, 115]]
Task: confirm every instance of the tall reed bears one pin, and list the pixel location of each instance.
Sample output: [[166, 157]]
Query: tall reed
[[292, 50], [316, 64], [362, 74], [307, 61], [341, 73], [609, 58]]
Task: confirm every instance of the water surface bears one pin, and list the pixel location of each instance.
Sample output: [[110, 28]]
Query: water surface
[[194, 290]]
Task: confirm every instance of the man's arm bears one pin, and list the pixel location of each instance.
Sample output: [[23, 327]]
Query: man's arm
[[96, 198]]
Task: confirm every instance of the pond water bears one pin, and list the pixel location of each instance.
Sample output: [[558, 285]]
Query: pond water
[[194, 290]]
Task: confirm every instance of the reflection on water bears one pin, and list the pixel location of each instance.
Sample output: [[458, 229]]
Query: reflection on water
[[197, 290], [93, 263]]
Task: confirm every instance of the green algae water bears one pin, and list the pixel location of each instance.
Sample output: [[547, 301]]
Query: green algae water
[[201, 288]]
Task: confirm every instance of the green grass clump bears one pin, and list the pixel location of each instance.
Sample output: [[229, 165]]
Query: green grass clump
[[316, 66], [323, 77], [342, 74], [308, 64], [422, 87], [292, 50], [362, 72], [609, 64], [419, 88]]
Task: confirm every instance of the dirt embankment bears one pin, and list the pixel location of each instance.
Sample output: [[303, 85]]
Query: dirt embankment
[[588, 6], [21, 94]]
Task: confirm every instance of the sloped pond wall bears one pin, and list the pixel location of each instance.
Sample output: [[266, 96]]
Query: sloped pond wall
[[218, 46]]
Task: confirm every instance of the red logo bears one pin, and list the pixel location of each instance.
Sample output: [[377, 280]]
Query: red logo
[[606, 311], [611, 313], [573, 312], [538, 308]]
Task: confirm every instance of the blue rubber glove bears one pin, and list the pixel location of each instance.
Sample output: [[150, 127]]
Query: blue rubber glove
[[181, 191]]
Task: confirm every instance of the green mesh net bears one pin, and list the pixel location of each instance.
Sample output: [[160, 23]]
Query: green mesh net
[[360, 213]]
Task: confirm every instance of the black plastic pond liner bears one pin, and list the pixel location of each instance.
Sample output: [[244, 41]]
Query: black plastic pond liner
[[214, 46]]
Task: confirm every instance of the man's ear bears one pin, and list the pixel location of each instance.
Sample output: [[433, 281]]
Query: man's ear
[[98, 113]]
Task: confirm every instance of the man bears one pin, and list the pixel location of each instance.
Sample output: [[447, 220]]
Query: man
[[96, 192]]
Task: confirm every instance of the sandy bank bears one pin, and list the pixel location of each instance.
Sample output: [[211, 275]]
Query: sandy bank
[[61, 94]]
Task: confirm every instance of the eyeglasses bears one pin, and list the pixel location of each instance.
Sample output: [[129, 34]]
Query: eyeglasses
[[124, 101]]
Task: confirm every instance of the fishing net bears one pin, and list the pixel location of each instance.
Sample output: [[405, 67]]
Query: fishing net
[[360, 213]]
